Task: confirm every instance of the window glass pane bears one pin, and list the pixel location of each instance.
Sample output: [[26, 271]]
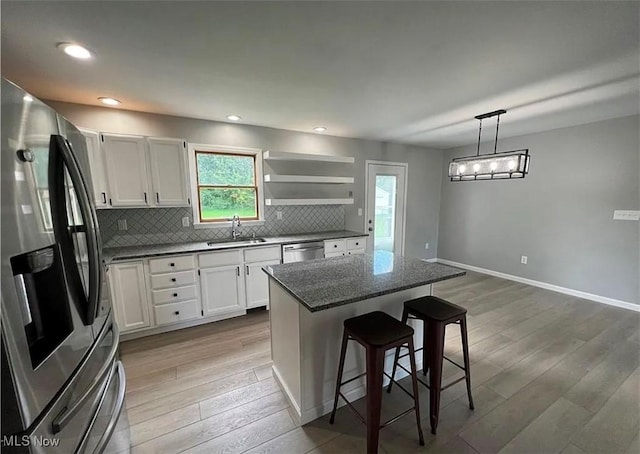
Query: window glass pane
[[219, 169], [226, 203]]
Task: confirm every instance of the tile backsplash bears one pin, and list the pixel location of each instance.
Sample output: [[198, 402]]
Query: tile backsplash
[[146, 226]]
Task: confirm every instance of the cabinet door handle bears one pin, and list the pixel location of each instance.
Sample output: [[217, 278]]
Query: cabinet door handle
[[104, 198], [177, 312], [238, 270], [145, 198], [247, 267], [335, 245], [175, 295], [172, 264]]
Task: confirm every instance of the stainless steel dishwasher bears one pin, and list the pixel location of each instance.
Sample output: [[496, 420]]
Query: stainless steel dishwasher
[[300, 252]]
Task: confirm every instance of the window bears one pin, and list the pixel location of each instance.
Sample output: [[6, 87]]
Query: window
[[227, 183]]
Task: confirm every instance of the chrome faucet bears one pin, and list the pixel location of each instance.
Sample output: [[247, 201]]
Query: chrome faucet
[[235, 225]]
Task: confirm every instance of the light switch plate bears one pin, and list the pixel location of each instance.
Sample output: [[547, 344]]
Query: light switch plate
[[626, 215], [524, 259], [185, 221], [122, 224], [279, 215], [359, 211]]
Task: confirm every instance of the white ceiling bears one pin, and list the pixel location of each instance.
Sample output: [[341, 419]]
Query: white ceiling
[[410, 72]]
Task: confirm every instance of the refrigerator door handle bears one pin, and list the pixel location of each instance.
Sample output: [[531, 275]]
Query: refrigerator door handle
[[21, 291], [70, 411], [60, 144], [117, 409]]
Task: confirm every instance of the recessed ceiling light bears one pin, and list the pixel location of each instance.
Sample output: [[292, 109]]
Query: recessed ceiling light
[[319, 129], [27, 98], [109, 101], [233, 118], [75, 51]]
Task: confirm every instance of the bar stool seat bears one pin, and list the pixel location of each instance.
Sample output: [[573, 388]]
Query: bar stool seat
[[377, 329], [436, 314], [377, 332]]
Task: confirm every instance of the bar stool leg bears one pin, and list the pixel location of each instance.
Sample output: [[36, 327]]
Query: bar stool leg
[[425, 351], [465, 353], [435, 341], [375, 367], [343, 353], [416, 392], [405, 317]]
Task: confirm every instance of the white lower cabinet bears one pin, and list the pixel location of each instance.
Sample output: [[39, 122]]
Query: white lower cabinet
[[345, 246], [129, 295], [256, 283], [221, 289], [177, 312]]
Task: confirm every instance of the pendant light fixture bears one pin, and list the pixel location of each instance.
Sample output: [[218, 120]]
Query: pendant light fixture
[[496, 166]]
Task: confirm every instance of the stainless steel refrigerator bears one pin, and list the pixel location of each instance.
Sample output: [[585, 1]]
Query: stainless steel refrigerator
[[62, 383]]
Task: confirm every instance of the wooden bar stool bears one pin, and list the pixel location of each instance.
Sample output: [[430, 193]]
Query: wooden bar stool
[[377, 332], [436, 314]]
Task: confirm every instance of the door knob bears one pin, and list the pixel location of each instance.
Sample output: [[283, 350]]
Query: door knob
[[370, 229]]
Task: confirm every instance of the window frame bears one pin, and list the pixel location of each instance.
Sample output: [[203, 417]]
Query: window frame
[[256, 153]]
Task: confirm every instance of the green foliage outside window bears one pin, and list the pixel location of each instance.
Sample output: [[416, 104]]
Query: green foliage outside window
[[226, 186]]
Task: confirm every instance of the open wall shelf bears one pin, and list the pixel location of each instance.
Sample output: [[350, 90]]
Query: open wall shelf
[[272, 202], [288, 156], [273, 178]]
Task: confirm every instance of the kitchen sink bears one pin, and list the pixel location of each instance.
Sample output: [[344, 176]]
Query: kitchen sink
[[240, 241]]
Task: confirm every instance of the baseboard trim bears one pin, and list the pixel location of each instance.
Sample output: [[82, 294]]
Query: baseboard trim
[[289, 396], [552, 287]]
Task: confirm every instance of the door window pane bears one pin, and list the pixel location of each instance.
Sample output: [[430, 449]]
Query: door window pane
[[385, 210]]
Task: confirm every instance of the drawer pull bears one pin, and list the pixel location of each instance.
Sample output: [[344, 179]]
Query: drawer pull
[[177, 312], [357, 244], [175, 295], [173, 279], [172, 264], [335, 245]]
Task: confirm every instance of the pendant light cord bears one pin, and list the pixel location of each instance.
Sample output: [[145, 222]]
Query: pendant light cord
[[479, 135], [495, 145]]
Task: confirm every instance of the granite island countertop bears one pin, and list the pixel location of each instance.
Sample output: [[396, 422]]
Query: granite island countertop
[[137, 252], [325, 283]]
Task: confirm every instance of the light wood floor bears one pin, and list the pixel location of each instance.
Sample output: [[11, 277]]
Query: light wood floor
[[551, 373]]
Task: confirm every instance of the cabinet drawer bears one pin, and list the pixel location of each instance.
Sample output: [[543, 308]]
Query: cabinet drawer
[[331, 246], [219, 259], [329, 255], [173, 279], [262, 254], [171, 295], [355, 252], [176, 312], [169, 264], [356, 243]]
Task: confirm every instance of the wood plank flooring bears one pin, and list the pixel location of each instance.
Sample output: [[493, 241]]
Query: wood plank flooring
[[551, 373]]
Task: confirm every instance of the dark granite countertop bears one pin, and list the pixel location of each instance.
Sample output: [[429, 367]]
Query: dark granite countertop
[[136, 252], [325, 283]]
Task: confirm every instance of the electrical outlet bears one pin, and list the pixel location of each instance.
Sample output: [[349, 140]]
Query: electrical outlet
[[524, 259], [626, 215], [122, 224], [185, 221], [359, 211], [279, 215], [426, 245]]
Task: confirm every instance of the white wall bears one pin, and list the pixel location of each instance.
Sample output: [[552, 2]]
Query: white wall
[[424, 180], [560, 215]]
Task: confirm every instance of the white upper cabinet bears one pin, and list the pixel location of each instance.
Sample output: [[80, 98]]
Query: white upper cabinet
[[168, 163], [127, 170], [98, 168]]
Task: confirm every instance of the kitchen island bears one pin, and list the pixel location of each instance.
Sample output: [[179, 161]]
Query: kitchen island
[[309, 302]]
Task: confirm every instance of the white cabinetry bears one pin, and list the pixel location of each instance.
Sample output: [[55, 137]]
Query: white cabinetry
[[168, 163], [129, 295], [256, 281], [344, 246], [126, 170], [97, 167], [221, 282]]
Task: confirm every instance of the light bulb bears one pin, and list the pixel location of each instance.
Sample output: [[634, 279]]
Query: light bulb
[[476, 167], [75, 51], [512, 165], [493, 166], [462, 168], [109, 101], [27, 98], [233, 118], [319, 129]]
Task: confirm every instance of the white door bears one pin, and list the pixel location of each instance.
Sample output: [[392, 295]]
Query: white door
[[168, 161], [221, 290], [126, 170], [98, 168], [129, 294], [256, 283], [386, 197]]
